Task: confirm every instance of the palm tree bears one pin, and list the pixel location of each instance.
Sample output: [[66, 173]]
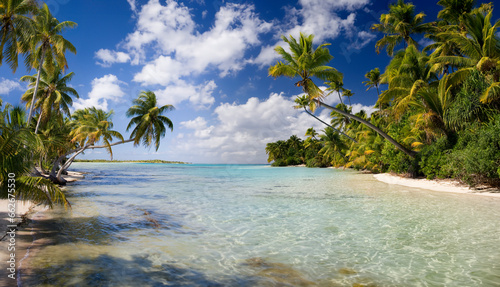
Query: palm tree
[[455, 11], [348, 94], [408, 72], [16, 147], [306, 63], [148, 120], [340, 121], [374, 79], [332, 144], [311, 133], [90, 126], [304, 102], [54, 94], [48, 45], [336, 86], [15, 29], [480, 50], [272, 151], [398, 25]]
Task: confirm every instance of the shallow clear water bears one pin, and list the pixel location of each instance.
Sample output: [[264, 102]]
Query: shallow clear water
[[253, 225]]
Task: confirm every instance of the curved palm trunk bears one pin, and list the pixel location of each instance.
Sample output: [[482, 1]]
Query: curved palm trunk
[[56, 176], [410, 153], [67, 164], [30, 115], [311, 114]]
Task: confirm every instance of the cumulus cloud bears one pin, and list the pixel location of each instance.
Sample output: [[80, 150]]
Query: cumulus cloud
[[104, 89], [7, 86], [170, 29], [318, 17], [200, 96], [108, 57]]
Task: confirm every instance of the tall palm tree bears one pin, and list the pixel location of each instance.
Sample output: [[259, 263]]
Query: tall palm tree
[[408, 72], [15, 29], [148, 120], [374, 79], [304, 102], [348, 94], [399, 25], [336, 86], [306, 62], [480, 49], [54, 94], [48, 45]]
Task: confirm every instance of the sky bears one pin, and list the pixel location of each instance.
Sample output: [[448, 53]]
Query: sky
[[209, 59]]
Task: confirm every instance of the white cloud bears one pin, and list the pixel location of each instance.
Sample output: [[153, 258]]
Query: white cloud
[[104, 89], [318, 17], [356, 108], [132, 5], [7, 86], [200, 96], [162, 71], [170, 31], [109, 57]]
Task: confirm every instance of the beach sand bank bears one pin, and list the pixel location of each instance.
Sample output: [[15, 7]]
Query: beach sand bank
[[443, 185], [27, 236]]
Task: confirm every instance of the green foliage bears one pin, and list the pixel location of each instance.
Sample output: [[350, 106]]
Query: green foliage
[[433, 158], [466, 108], [476, 156]]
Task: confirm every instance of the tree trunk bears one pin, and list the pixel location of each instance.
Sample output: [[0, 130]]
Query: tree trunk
[[56, 176], [410, 153], [30, 115], [67, 164], [329, 125], [38, 122]]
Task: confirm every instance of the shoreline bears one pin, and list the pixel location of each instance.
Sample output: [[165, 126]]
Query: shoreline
[[440, 185], [29, 234]]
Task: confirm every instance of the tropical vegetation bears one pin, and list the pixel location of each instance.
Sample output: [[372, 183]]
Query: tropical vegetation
[[438, 108], [37, 145]]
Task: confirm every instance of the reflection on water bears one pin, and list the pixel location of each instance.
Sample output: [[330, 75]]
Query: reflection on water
[[169, 225]]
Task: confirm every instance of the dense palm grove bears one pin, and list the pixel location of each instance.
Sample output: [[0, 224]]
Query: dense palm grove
[[39, 143], [439, 115]]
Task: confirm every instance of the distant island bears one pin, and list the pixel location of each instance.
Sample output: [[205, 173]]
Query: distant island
[[138, 161]]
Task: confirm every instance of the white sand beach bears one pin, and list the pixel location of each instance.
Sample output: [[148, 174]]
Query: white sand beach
[[444, 185]]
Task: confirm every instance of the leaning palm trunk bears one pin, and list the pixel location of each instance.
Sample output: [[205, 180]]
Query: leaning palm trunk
[[370, 125], [68, 163], [30, 115], [56, 176]]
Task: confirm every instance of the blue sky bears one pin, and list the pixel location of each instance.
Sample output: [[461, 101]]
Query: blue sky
[[209, 59]]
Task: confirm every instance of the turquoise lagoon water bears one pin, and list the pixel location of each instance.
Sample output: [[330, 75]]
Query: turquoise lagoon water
[[253, 225]]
